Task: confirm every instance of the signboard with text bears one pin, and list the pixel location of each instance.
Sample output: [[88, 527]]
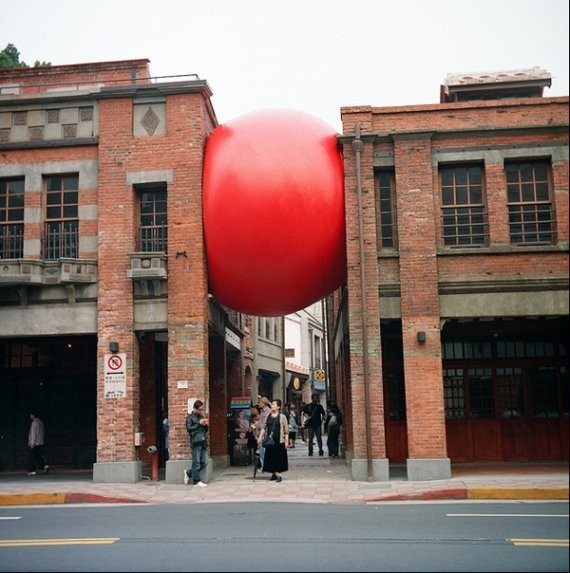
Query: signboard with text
[[115, 375]]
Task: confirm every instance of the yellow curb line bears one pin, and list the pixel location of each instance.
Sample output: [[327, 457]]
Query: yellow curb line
[[517, 493], [32, 498]]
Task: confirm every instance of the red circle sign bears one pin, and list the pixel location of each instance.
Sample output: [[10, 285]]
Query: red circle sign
[[115, 362]]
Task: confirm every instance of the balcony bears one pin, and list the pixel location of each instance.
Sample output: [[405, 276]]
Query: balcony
[[148, 266], [15, 272]]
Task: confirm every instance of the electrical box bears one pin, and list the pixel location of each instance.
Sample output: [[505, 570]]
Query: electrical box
[[139, 438]]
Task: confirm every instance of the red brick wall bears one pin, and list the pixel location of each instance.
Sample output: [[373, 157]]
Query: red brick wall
[[412, 133]]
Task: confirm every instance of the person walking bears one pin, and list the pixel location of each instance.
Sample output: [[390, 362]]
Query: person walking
[[294, 423], [333, 422], [36, 435], [197, 427], [315, 414], [276, 461]]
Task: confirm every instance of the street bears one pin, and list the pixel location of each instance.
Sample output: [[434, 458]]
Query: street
[[442, 536]]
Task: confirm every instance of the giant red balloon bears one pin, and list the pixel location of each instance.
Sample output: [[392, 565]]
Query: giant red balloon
[[273, 197]]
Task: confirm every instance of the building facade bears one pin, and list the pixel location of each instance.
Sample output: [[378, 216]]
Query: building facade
[[450, 340], [106, 323], [305, 355]]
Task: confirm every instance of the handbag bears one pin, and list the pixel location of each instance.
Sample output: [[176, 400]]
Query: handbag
[[268, 441]]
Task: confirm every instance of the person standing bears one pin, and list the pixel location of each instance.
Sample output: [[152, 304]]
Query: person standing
[[333, 422], [197, 427], [276, 425], [314, 422], [294, 423], [265, 406], [36, 437]]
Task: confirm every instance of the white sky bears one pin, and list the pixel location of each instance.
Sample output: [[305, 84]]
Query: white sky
[[312, 55]]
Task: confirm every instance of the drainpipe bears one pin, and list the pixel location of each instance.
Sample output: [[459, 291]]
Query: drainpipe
[[357, 146]]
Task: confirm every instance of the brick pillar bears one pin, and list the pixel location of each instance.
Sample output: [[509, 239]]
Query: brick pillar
[[188, 359], [420, 308], [117, 418], [218, 401], [358, 402]]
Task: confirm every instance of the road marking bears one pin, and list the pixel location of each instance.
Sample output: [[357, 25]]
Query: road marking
[[10, 517], [79, 541], [522, 542], [505, 515]]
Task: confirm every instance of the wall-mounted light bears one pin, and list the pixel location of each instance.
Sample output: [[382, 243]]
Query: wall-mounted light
[[421, 336], [114, 347]]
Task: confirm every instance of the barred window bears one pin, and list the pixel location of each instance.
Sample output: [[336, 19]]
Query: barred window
[[481, 396], [385, 198], [153, 223], [11, 219], [454, 394], [531, 214], [464, 212], [61, 225]]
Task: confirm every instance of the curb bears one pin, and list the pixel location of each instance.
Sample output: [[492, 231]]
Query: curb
[[482, 493], [60, 498]]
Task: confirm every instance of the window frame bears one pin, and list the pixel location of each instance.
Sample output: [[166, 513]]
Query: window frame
[[152, 238], [12, 230], [385, 218], [464, 213], [61, 242], [526, 231]]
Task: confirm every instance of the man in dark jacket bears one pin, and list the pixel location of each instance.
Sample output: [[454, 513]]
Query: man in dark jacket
[[197, 427], [315, 414]]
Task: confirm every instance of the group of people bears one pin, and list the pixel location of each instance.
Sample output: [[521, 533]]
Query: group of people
[[267, 419]]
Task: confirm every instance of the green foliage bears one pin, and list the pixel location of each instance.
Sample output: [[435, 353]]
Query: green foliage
[[10, 58]]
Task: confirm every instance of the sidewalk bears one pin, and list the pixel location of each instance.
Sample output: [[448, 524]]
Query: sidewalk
[[309, 480]]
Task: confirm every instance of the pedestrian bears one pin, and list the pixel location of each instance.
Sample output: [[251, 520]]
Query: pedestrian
[[36, 435], [166, 430], [315, 414], [253, 433], [275, 460], [294, 423], [265, 405], [303, 429], [197, 427], [333, 422]]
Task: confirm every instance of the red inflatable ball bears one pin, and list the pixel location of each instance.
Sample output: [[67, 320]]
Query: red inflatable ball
[[274, 212]]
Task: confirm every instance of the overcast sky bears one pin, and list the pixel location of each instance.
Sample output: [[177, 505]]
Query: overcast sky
[[312, 55]]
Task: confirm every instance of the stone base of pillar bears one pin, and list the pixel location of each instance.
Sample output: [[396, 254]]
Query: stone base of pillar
[[428, 469], [117, 472], [221, 462], [380, 470], [174, 472]]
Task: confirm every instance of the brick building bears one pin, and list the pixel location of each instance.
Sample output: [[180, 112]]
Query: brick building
[[459, 212], [105, 318]]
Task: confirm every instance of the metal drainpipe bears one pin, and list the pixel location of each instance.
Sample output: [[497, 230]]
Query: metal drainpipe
[[357, 146]]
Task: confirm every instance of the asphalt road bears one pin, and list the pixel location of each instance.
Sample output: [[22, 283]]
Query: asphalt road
[[464, 536]]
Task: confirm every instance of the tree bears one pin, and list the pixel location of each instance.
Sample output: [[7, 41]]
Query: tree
[[10, 58]]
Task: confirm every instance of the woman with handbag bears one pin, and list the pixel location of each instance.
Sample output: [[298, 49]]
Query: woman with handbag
[[274, 437]]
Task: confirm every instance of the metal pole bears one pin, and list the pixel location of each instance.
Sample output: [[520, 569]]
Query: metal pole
[[357, 146]]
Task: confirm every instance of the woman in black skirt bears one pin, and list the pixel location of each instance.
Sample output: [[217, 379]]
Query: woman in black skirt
[[276, 457]]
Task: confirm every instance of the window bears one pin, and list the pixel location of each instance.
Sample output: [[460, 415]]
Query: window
[[267, 329], [454, 394], [481, 397], [289, 353], [385, 194], [153, 228], [531, 216], [12, 219], [61, 238], [511, 399], [464, 213], [276, 332], [318, 352]]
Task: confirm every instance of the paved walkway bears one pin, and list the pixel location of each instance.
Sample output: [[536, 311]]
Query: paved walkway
[[309, 480]]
